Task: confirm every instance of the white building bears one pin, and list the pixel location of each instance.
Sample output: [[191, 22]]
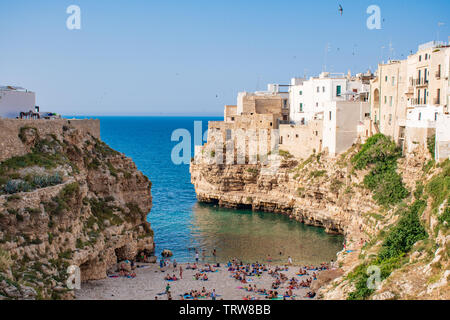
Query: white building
[[310, 97], [14, 100], [341, 121]]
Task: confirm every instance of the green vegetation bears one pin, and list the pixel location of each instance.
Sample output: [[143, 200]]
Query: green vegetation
[[431, 144], [317, 173], [102, 210], [5, 260], [135, 211], [399, 241], [405, 234], [336, 186], [285, 154], [381, 154], [439, 190], [60, 203]]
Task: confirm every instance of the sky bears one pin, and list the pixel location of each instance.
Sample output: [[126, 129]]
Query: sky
[[144, 57]]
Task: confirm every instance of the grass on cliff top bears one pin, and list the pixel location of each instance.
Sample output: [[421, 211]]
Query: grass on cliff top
[[380, 155]]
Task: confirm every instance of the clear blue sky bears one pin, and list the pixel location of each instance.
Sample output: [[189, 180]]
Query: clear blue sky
[[151, 57]]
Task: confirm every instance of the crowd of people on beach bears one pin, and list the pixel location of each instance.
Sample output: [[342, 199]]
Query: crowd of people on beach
[[244, 273]]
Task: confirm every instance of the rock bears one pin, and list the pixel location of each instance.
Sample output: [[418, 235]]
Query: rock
[[166, 253], [384, 296], [325, 277]]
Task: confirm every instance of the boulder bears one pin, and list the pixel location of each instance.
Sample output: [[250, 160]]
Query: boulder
[[167, 253]]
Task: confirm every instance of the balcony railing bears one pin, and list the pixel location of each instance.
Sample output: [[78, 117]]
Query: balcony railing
[[419, 82], [418, 102]]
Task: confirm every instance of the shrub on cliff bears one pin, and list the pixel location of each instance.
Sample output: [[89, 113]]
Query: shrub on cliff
[[405, 234], [377, 149], [5, 260], [398, 242], [61, 202], [381, 154]]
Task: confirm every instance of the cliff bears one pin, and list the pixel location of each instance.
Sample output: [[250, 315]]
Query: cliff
[[367, 204], [66, 198]]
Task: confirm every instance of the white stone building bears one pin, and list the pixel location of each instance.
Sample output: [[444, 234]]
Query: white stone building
[[310, 97], [14, 100]]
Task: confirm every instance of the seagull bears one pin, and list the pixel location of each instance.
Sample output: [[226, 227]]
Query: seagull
[[341, 10]]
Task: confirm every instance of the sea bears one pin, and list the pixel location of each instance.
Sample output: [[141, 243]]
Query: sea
[[183, 225]]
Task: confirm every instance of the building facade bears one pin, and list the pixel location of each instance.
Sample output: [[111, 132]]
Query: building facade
[[14, 100], [407, 96], [310, 97]]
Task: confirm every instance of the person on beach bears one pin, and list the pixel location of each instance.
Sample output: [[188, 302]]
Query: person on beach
[[290, 261], [196, 256], [167, 288], [181, 272], [174, 264], [213, 294]]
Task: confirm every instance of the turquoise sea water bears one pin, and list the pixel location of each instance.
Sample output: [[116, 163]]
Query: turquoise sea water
[[181, 224]]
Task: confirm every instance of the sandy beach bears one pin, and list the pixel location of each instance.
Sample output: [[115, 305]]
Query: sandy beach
[[149, 283]]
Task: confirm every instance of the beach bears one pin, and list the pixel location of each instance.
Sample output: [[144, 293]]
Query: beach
[[149, 284]]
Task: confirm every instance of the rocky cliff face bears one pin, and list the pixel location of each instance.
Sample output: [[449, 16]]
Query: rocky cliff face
[[330, 193], [71, 200]]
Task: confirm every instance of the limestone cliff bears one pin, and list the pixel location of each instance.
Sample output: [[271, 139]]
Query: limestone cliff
[[331, 193], [66, 198]]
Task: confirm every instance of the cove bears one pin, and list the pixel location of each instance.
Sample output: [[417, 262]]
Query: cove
[[182, 225]]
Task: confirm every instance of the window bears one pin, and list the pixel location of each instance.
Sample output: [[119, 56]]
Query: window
[[228, 134], [323, 89], [390, 119], [435, 116], [393, 81], [390, 101], [318, 89], [420, 58], [338, 91], [330, 115], [385, 99], [301, 107], [386, 79], [284, 103], [317, 104], [300, 93], [420, 116]]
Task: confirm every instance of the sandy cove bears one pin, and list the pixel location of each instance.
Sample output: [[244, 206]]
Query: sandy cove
[[149, 283]]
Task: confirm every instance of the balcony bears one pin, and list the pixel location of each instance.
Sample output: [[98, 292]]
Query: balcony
[[422, 82], [418, 102]]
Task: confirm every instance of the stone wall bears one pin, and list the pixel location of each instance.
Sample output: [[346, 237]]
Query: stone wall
[[11, 146], [302, 140]]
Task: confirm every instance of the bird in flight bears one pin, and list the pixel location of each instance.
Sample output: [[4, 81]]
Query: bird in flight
[[341, 10]]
